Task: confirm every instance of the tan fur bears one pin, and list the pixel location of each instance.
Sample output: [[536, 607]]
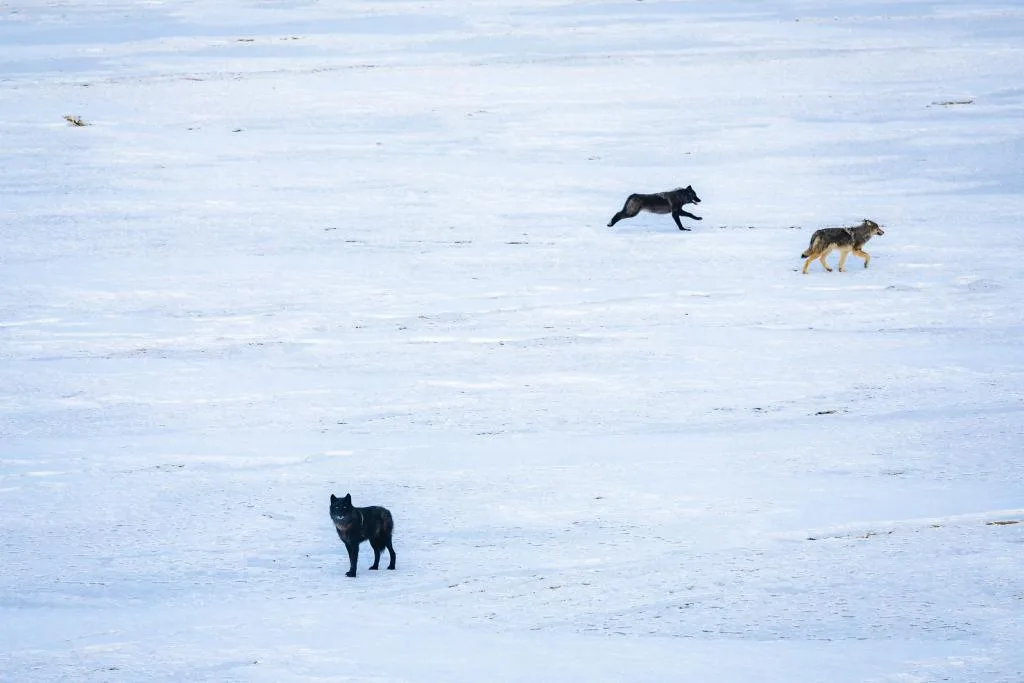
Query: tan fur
[[846, 240]]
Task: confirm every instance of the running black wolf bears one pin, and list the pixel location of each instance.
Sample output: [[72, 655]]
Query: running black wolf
[[671, 202], [355, 525], [845, 240]]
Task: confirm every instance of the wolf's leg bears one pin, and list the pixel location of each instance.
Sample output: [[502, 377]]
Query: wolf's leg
[[690, 215], [864, 255], [353, 557], [807, 264], [843, 253], [377, 548], [823, 261], [629, 209], [675, 217], [391, 552]]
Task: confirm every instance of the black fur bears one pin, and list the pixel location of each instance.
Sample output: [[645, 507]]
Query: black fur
[[671, 202], [355, 525]]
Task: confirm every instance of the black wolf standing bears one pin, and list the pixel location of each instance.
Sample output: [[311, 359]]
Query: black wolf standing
[[671, 202], [355, 525]]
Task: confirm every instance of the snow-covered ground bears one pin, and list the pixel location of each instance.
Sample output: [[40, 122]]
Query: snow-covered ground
[[304, 250]]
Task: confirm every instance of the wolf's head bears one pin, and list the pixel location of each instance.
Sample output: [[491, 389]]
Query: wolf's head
[[689, 196], [341, 508], [872, 227]]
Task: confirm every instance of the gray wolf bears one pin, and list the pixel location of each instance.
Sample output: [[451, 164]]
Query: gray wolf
[[355, 525], [671, 202], [846, 240]]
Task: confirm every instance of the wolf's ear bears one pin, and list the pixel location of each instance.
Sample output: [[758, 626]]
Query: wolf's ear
[[333, 498], [347, 500]]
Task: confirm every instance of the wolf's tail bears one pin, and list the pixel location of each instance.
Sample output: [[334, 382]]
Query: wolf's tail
[[813, 248]]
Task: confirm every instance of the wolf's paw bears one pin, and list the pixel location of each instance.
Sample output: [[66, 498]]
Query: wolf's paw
[[373, 568], [391, 567], [697, 218], [350, 574]]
